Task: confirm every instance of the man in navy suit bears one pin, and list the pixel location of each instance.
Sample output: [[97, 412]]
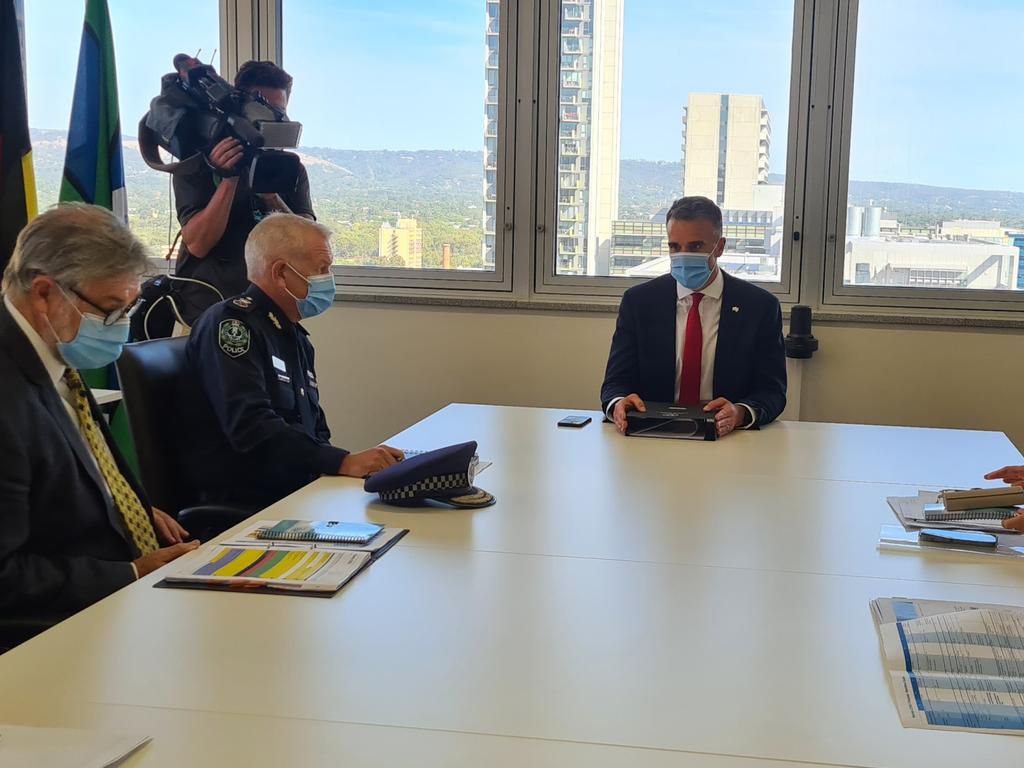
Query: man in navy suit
[[698, 335]]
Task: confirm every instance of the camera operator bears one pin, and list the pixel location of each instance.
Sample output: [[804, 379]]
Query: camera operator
[[217, 209]]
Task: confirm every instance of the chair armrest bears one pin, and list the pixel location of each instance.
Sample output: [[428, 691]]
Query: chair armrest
[[17, 629], [206, 521]]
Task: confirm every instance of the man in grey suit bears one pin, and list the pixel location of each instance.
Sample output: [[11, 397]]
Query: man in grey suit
[[74, 524]]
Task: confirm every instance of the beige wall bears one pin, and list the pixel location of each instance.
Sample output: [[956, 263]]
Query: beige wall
[[383, 367]]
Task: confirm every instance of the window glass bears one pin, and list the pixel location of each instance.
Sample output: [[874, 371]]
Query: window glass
[[399, 105], [658, 99], [936, 193]]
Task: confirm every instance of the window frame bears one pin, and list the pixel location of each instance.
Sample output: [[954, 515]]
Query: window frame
[[546, 283], [499, 281], [817, 172], [835, 293]]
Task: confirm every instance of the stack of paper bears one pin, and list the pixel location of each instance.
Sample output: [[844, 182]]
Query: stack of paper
[[954, 666], [25, 747], [910, 510]]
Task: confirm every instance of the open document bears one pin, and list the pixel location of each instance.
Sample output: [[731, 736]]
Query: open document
[[954, 666], [311, 571]]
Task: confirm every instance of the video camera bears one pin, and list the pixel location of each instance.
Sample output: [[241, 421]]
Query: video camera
[[197, 108]]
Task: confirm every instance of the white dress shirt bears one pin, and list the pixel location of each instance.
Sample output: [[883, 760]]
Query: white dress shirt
[[54, 366], [55, 369], [710, 311]]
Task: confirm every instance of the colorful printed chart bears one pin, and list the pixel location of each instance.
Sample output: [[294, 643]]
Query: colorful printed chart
[[310, 569]]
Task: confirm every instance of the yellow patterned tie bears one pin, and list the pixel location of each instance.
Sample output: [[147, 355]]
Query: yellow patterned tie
[[126, 500]]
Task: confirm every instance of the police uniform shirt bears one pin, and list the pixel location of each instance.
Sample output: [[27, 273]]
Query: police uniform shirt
[[254, 428], [224, 266]]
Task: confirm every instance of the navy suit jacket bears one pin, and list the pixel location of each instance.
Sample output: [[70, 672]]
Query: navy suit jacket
[[63, 544], [750, 359]]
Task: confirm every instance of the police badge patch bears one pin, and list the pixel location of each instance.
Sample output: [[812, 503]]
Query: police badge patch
[[233, 338]]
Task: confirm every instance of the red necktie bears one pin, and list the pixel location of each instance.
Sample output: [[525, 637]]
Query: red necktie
[[693, 344]]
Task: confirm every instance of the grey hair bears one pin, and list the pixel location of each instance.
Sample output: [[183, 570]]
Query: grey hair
[[276, 237], [75, 244], [694, 208]]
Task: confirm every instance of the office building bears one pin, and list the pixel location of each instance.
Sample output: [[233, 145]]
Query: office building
[[753, 245], [1017, 241], [726, 145], [490, 131], [934, 263], [973, 229], [401, 245], [590, 86]]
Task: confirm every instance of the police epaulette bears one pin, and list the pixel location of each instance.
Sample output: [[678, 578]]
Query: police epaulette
[[242, 302]]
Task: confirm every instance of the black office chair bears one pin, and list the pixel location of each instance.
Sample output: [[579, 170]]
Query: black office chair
[[149, 372], [15, 630]]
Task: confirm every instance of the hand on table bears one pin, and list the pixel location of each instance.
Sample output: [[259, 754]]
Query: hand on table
[[729, 417], [624, 406], [168, 530], [152, 561], [366, 463], [1015, 523], [1011, 475]]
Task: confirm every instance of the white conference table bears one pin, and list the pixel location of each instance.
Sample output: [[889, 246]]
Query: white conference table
[[627, 601]]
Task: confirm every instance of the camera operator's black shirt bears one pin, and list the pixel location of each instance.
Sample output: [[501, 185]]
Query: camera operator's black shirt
[[224, 266]]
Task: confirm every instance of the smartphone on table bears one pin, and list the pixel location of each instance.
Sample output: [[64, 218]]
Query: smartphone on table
[[574, 421], [950, 536]]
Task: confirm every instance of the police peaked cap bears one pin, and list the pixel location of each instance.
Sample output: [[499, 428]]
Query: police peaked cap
[[445, 476]]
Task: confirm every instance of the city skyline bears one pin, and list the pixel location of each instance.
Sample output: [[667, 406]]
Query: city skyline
[[892, 104], [614, 100]]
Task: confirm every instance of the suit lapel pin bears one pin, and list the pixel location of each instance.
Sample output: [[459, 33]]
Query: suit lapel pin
[[735, 309]]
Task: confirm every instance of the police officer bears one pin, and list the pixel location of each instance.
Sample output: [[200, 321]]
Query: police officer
[[253, 430]]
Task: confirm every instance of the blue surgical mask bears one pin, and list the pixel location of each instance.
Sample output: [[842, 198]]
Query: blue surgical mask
[[95, 345], [319, 296], [691, 270]]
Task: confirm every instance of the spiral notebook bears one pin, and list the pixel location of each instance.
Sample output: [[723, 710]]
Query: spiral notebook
[[939, 513], [327, 531]]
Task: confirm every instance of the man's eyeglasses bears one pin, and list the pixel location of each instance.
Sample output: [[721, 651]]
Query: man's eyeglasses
[[109, 318]]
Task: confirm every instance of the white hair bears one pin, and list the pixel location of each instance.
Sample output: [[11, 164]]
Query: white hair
[[279, 236], [75, 244]]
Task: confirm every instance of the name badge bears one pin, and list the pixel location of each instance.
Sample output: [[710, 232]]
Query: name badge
[[284, 379], [278, 363]]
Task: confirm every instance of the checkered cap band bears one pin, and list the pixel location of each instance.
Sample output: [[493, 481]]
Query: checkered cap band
[[427, 487]]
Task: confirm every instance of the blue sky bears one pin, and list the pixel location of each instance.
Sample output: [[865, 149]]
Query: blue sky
[[937, 98], [939, 93], [145, 41]]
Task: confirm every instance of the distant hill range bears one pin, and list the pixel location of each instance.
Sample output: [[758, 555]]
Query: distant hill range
[[447, 185]]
